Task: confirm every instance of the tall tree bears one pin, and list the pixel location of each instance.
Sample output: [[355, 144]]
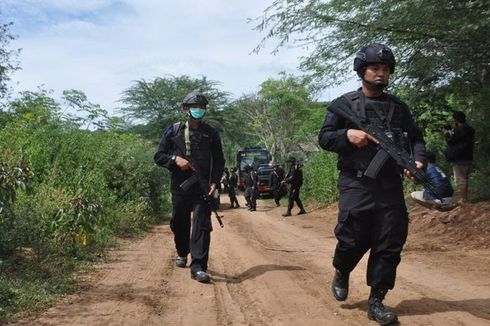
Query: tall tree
[[237, 129], [441, 47], [36, 107], [278, 113], [90, 114], [158, 103], [435, 42], [7, 58]]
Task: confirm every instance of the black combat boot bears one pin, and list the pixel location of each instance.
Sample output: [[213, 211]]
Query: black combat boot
[[181, 261], [200, 276], [288, 212], [376, 309], [301, 208], [340, 285]]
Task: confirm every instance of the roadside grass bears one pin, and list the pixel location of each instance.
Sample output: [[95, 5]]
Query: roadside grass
[[28, 286], [30, 283]]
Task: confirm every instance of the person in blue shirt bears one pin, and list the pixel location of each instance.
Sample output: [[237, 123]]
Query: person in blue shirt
[[439, 179]]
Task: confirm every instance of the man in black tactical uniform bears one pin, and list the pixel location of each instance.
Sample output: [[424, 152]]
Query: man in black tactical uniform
[[250, 188], [295, 179], [232, 184], [187, 149], [372, 211], [225, 180], [278, 187]]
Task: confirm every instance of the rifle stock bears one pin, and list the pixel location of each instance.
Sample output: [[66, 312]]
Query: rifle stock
[[387, 145]]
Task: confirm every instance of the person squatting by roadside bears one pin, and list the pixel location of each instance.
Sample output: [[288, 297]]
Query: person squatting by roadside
[[439, 179], [187, 149], [250, 188], [295, 180], [460, 142], [232, 185], [372, 212]]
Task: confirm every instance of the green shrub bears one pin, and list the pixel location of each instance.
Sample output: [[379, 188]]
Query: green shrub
[[86, 188], [320, 179]]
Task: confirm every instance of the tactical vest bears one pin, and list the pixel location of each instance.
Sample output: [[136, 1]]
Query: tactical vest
[[250, 179], [233, 181], [388, 119], [297, 180], [194, 145]]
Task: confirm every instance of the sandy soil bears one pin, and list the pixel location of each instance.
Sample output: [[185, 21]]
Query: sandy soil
[[270, 270]]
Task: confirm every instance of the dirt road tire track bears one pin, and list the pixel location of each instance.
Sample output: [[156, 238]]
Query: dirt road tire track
[[270, 270]]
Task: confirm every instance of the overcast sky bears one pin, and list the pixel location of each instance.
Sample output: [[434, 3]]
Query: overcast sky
[[101, 46]]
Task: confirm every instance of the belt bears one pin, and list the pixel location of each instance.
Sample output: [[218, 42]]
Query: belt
[[353, 173]]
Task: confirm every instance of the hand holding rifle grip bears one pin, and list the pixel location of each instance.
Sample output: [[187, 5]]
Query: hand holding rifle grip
[[386, 145], [189, 182]]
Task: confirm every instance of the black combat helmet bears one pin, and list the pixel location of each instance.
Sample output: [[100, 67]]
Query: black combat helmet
[[194, 98], [373, 53]]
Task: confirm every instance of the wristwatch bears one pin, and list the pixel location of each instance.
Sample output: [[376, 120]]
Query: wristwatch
[[173, 158]]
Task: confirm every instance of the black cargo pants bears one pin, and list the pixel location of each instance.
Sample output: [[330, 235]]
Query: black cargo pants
[[250, 197], [196, 240], [372, 216], [294, 198]]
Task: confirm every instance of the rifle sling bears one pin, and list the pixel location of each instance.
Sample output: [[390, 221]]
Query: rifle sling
[[187, 139], [381, 156]]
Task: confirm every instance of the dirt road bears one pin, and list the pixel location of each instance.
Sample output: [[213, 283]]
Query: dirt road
[[268, 270]]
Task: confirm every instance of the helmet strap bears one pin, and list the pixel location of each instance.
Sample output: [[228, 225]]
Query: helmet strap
[[376, 86]]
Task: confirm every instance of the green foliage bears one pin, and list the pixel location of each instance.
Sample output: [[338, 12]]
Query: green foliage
[[442, 60], [33, 108], [275, 117], [158, 103], [278, 115], [479, 120], [7, 294], [7, 58], [89, 113], [434, 42], [85, 187], [13, 177], [320, 175], [30, 285], [237, 129]]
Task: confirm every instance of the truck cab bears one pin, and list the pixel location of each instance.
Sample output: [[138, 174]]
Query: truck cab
[[264, 177]]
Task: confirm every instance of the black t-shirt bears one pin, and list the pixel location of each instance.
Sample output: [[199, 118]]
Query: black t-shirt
[[460, 144]]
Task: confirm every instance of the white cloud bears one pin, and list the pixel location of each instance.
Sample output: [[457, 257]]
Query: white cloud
[[102, 46], [68, 6]]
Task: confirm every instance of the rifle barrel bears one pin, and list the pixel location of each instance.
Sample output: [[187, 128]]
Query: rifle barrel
[[400, 155]]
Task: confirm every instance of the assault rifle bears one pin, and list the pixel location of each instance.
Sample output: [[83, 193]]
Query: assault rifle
[[386, 148], [188, 183]]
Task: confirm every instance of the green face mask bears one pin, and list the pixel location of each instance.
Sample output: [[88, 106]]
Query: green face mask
[[197, 113]]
